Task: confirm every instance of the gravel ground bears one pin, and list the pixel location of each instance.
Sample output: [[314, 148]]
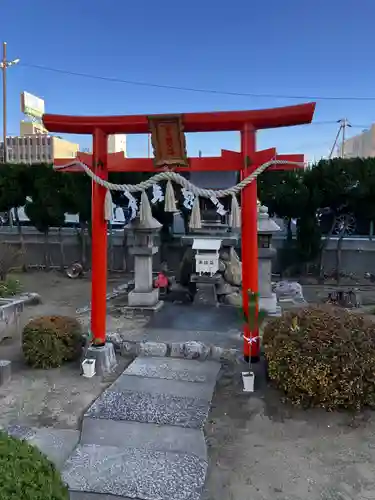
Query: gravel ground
[[263, 449], [259, 447], [58, 397]]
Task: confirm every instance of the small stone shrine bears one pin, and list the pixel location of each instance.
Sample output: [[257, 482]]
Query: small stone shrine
[[206, 267]]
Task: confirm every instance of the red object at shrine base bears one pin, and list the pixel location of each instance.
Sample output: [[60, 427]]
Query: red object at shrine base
[[245, 122]]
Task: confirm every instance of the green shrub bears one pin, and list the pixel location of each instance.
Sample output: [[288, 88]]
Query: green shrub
[[322, 357], [26, 474], [9, 287], [48, 341]]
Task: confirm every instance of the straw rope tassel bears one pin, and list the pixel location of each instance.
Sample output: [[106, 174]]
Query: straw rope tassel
[[235, 214], [195, 216], [145, 210], [108, 206], [170, 200]]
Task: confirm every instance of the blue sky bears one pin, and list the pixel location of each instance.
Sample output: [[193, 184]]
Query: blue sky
[[287, 47]]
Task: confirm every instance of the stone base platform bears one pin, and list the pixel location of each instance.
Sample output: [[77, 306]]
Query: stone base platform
[[142, 438]]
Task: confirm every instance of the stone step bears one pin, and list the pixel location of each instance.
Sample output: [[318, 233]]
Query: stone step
[[163, 386], [175, 369], [83, 495], [134, 473], [56, 444], [145, 407], [144, 436]]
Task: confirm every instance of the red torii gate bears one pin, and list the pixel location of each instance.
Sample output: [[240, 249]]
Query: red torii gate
[[245, 122]]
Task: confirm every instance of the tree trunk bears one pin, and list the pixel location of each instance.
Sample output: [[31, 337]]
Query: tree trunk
[[62, 250], [21, 238], [46, 251], [339, 249], [289, 232], [338, 259], [324, 247], [82, 236]]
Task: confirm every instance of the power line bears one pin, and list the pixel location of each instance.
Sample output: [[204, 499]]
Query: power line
[[198, 90]]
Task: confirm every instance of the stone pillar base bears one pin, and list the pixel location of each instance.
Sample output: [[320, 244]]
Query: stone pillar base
[[269, 304], [143, 299], [105, 358], [5, 371]]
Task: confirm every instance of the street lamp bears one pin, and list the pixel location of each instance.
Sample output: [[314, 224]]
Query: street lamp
[[4, 65]]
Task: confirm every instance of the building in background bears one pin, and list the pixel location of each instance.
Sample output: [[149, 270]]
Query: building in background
[[361, 145], [117, 143], [38, 148], [32, 128], [34, 144]]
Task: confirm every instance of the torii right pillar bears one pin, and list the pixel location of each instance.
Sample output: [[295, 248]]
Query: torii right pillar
[[249, 238]]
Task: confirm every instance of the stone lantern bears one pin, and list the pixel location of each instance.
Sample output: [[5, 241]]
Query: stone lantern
[[266, 228], [144, 247]]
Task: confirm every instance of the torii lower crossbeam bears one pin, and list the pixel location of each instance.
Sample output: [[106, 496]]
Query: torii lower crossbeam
[[245, 122]]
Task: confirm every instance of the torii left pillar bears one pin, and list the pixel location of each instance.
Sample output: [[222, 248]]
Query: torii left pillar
[[99, 240]]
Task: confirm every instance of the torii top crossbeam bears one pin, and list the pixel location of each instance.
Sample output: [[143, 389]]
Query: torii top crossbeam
[[221, 121]]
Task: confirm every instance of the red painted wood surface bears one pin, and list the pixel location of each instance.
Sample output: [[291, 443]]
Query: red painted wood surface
[[246, 122], [219, 121]]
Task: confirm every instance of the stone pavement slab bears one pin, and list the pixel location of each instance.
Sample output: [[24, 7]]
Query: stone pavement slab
[[56, 444], [134, 473], [175, 369], [195, 317], [199, 390], [144, 436], [150, 408], [83, 495]]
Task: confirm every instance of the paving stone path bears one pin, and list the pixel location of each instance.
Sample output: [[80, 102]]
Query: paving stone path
[[142, 438]]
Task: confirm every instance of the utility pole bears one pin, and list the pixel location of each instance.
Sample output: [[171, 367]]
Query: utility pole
[[4, 65], [344, 123]]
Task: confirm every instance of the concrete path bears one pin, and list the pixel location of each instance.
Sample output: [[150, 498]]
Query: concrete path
[[143, 437]]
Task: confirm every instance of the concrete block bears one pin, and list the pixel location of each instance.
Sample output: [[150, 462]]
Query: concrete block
[[162, 386], [133, 406], [56, 444], [221, 354], [190, 350], [153, 349], [134, 473], [143, 299], [105, 358], [128, 348], [10, 315], [196, 350], [177, 349], [144, 436], [31, 298], [5, 371], [174, 369], [115, 338]]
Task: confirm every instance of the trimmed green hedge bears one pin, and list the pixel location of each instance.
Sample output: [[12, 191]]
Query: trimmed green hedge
[[49, 341], [26, 474], [322, 356]]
